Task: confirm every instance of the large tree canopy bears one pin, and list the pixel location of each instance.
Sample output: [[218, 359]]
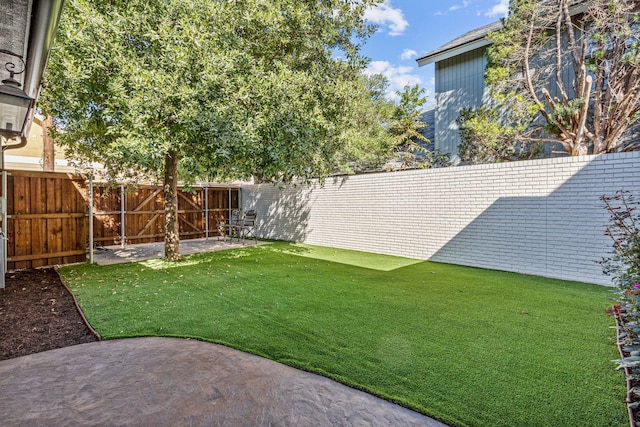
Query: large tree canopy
[[218, 88], [366, 144], [385, 130], [576, 64]]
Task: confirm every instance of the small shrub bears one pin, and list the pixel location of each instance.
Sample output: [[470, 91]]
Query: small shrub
[[624, 263], [489, 136], [624, 267]]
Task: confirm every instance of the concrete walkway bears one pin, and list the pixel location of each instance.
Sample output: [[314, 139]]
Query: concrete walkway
[[139, 252], [177, 382]]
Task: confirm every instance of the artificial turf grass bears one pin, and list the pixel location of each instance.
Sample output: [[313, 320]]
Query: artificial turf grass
[[464, 345]]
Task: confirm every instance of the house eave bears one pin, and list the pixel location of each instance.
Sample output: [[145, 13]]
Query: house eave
[[455, 51], [44, 23], [577, 7], [27, 31]]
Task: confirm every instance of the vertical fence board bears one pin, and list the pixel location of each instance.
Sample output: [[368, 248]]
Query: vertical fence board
[[22, 230], [38, 228]]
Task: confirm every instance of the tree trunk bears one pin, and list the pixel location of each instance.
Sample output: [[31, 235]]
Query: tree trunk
[[171, 236]]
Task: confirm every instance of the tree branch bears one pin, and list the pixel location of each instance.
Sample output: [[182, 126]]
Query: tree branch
[[559, 82], [584, 109], [572, 38], [525, 62]]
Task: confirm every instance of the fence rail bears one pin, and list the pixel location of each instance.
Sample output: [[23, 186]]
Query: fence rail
[[47, 216]]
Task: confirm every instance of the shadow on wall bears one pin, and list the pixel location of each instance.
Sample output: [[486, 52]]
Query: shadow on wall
[[283, 215], [559, 234], [541, 217], [339, 180]]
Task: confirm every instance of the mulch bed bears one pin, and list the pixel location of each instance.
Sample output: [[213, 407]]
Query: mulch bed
[[38, 313]]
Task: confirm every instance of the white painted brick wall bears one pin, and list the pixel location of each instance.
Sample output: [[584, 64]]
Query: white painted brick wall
[[540, 217]]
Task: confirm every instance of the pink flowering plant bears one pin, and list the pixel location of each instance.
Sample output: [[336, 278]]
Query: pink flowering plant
[[623, 265]]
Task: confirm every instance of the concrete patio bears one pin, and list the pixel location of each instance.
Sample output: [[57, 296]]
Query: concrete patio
[[179, 382], [132, 253]]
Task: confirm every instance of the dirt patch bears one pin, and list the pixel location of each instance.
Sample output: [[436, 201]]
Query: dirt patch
[[37, 313]]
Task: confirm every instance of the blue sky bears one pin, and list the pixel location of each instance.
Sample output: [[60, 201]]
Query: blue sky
[[408, 29]]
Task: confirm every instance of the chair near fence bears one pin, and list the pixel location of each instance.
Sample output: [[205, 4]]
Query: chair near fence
[[247, 227], [239, 225], [228, 228]]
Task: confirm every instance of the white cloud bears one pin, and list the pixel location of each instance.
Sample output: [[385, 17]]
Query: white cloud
[[500, 9], [388, 17], [398, 77], [459, 6], [408, 54], [453, 8]]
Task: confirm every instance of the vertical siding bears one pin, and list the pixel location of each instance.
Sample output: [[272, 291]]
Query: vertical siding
[[459, 84]]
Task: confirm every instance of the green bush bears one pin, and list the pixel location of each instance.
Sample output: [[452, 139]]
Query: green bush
[[487, 136], [623, 265]]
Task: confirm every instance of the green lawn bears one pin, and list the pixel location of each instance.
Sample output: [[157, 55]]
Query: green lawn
[[464, 345]]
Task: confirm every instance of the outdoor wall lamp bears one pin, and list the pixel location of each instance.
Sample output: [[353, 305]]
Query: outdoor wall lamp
[[15, 104]]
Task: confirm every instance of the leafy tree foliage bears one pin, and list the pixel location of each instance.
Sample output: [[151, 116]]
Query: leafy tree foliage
[[486, 137], [384, 129], [406, 130], [218, 88], [406, 123], [596, 44], [366, 143]]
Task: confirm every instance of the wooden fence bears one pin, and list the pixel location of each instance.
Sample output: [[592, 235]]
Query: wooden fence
[[48, 216], [138, 216], [47, 220]]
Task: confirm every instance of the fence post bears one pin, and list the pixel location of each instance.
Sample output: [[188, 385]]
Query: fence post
[[206, 212], [90, 219], [122, 212], [3, 208], [3, 255]]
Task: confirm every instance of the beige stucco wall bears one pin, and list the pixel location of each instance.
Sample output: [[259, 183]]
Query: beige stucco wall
[[30, 156]]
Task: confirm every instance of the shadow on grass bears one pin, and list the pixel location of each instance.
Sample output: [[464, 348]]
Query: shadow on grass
[[367, 260]]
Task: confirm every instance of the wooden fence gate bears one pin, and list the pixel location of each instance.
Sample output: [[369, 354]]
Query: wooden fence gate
[[125, 217], [48, 216], [47, 219]]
